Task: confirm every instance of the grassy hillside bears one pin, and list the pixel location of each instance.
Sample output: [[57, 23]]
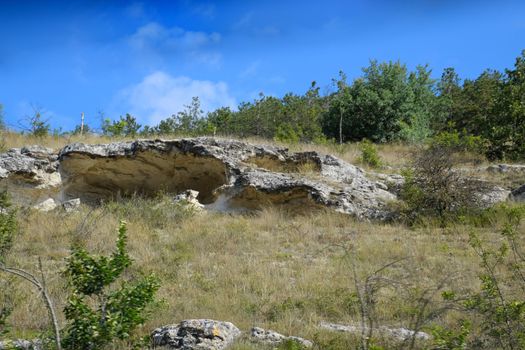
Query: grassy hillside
[[270, 269]]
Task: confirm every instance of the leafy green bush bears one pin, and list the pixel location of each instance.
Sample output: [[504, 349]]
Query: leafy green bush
[[447, 339], [369, 155], [460, 142], [287, 133], [501, 312], [117, 311]]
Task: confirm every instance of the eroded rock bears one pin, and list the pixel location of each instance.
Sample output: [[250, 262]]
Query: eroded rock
[[21, 344], [201, 334], [400, 334], [189, 198], [229, 175], [71, 205], [47, 205], [30, 174], [274, 338]]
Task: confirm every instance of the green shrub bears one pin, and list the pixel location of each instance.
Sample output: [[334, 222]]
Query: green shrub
[[369, 155], [96, 312], [447, 339], [460, 142], [288, 134]]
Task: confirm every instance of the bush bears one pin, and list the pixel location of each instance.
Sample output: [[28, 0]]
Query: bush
[[501, 312], [117, 311], [369, 155], [460, 142], [434, 189]]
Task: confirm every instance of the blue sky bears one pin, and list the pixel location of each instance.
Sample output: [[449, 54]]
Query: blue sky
[[149, 58]]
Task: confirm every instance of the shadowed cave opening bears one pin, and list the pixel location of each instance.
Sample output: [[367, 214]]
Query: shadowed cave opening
[[145, 174]]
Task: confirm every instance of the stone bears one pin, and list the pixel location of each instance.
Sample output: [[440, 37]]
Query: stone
[[189, 198], [196, 334], [518, 194], [30, 173], [229, 175], [273, 338], [400, 334], [21, 344], [71, 205], [506, 168], [494, 195], [47, 205]]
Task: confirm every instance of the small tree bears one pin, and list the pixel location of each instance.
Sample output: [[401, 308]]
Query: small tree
[[35, 124], [116, 312]]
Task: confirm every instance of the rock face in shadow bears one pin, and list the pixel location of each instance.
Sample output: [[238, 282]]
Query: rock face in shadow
[[229, 175]]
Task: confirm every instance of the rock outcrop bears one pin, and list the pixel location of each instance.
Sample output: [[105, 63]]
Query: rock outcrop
[[274, 339], [196, 334], [399, 334], [30, 174], [229, 175]]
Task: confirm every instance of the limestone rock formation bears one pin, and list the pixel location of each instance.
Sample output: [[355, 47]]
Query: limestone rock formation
[[47, 205], [198, 334], [229, 175], [30, 174], [399, 334], [507, 168], [273, 338], [21, 344]]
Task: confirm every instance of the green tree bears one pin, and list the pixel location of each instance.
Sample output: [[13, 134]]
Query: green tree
[[96, 312]]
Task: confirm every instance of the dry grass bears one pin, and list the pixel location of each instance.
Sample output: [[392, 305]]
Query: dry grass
[[273, 270]]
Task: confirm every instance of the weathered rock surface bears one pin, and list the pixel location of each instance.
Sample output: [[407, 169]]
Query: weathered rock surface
[[274, 338], [71, 205], [519, 194], [30, 174], [189, 198], [21, 344], [395, 333], [47, 205], [229, 175], [199, 334], [507, 168]]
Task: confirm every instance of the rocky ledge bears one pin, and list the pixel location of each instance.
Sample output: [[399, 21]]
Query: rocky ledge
[[228, 176]]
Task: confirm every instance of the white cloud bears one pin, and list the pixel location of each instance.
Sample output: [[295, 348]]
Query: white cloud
[[159, 95], [155, 36], [156, 43]]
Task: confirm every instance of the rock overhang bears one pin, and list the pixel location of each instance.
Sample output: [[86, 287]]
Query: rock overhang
[[228, 174]]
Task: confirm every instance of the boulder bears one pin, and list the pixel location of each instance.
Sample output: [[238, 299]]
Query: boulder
[[71, 205], [189, 199], [47, 205], [273, 338], [201, 334]]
